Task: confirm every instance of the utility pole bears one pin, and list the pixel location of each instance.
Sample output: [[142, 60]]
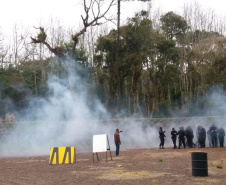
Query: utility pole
[[117, 58]]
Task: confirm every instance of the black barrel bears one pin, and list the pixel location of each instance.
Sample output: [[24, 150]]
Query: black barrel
[[199, 164]]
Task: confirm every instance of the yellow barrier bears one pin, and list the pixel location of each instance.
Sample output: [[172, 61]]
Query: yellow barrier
[[62, 155]]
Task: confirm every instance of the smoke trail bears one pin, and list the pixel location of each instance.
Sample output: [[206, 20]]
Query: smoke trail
[[64, 119]]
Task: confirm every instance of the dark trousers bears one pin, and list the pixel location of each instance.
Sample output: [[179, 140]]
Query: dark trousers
[[161, 142], [202, 142], [190, 142], [174, 141], [214, 141], [181, 141], [221, 141], [117, 149]]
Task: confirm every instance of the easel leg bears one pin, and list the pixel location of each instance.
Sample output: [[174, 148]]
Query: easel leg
[[93, 157], [110, 154], [97, 156]]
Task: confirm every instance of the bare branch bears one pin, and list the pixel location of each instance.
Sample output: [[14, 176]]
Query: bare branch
[[92, 10], [41, 38]]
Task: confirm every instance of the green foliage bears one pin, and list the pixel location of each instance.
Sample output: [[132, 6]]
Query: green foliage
[[159, 69], [199, 35], [5, 86], [173, 25], [11, 94], [153, 64], [80, 54]]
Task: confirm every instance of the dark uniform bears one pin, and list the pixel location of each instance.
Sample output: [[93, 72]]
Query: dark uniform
[[221, 135], [162, 138], [213, 133], [202, 137], [174, 137], [181, 134], [189, 135]]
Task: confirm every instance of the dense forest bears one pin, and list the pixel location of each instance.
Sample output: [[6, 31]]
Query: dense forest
[[161, 66]]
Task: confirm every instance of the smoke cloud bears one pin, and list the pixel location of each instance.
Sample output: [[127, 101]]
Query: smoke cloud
[[68, 119]]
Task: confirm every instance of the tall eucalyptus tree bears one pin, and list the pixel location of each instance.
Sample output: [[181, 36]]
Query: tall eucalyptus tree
[[117, 54]]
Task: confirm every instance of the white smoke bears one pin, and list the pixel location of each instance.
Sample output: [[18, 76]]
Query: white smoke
[[82, 122]]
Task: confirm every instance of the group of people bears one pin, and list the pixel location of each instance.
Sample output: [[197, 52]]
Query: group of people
[[185, 137]]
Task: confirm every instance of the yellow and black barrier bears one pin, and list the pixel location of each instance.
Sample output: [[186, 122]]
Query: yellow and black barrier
[[62, 155]]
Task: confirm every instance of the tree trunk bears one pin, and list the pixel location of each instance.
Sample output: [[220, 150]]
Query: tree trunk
[[35, 84]]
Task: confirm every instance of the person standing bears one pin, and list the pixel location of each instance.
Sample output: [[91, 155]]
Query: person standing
[[162, 138], [117, 141], [189, 135], [213, 133], [202, 137], [221, 135], [174, 137], [181, 134]]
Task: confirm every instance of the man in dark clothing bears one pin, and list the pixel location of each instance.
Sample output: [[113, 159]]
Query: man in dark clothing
[[213, 133], [174, 137], [189, 135], [117, 141], [202, 137], [162, 138], [221, 135], [181, 134]]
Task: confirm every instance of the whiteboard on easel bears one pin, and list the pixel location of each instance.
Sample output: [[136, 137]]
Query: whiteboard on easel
[[100, 143]]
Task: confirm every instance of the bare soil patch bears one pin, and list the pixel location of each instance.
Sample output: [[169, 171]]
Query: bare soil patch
[[139, 166]]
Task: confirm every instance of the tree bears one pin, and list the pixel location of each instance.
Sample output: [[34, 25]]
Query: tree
[[91, 18], [173, 25], [138, 39], [117, 54], [95, 11], [136, 51], [167, 74], [3, 50]]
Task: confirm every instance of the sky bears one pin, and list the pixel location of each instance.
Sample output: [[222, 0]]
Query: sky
[[29, 13]]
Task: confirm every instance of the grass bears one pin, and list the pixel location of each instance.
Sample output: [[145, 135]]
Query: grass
[[219, 166], [160, 160]]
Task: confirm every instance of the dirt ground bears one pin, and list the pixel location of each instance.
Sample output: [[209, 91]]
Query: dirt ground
[[140, 166]]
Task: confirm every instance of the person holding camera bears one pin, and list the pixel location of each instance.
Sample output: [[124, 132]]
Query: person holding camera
[[117, 141]]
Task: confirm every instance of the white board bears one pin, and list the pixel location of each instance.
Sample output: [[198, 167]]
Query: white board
[[100, 143]]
